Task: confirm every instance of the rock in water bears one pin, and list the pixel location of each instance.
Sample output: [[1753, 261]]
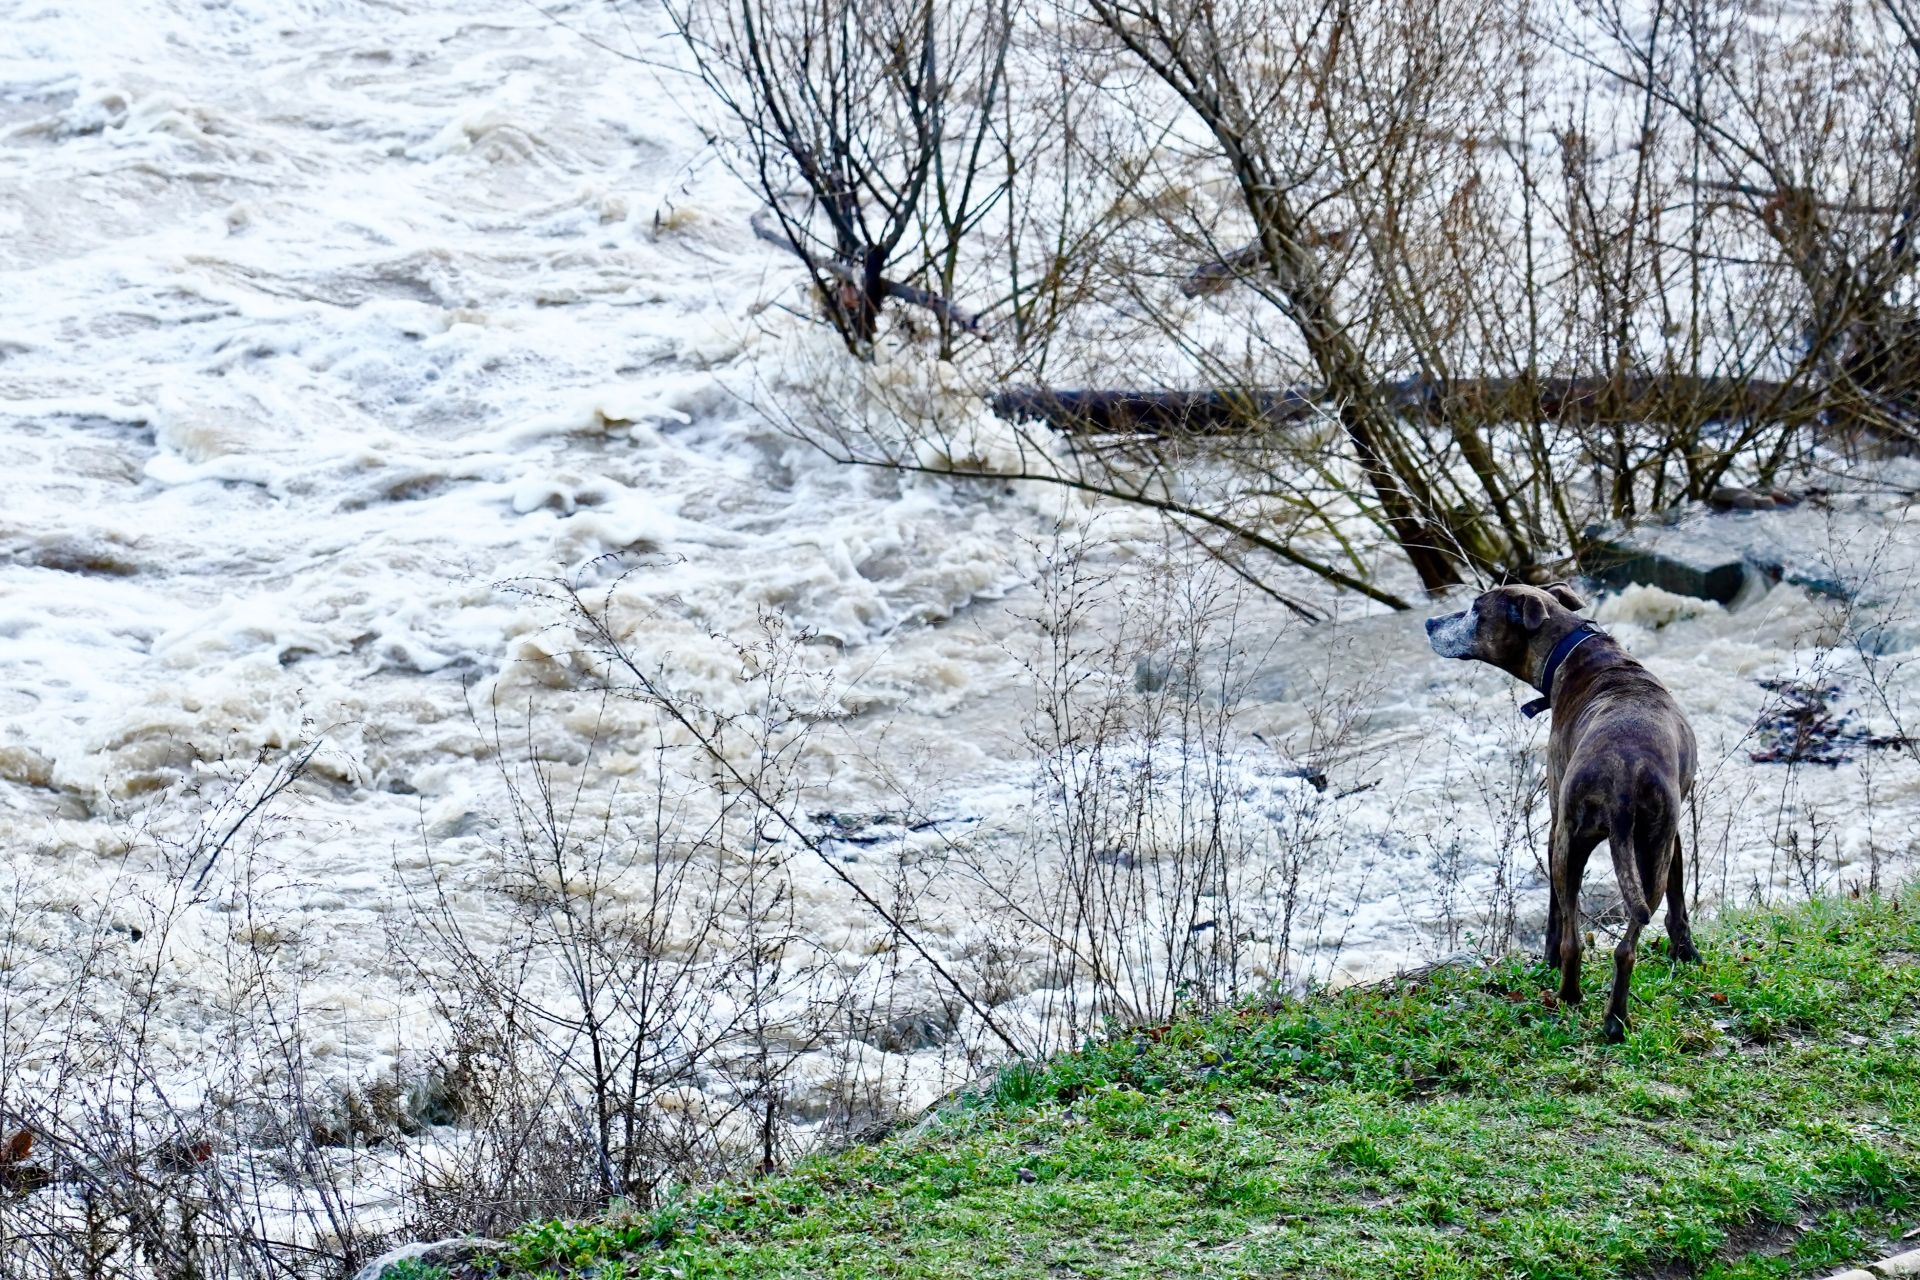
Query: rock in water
[[461, 1259], [1687, 563]]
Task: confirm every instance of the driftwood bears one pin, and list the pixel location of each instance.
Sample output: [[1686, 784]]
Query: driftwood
[[1221, 272], [1154, 412], [1254, 409], [1213, 277], [851, 275]]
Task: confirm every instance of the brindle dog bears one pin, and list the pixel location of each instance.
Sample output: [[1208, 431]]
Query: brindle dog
[[1620, 761]]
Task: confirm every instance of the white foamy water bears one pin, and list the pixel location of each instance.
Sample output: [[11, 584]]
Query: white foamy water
[[322, 321], [320, 324]]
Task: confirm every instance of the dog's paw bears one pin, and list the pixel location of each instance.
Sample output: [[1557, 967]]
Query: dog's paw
[[1615, 1030]]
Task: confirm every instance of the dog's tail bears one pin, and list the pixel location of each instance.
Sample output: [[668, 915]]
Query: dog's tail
[[1641, 838], [1626, 869]]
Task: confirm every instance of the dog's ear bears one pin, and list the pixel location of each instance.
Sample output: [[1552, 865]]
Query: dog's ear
[[1566, 595], [1529, 610]]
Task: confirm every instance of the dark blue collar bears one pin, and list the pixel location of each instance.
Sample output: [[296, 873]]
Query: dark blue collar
[[1561, 652]]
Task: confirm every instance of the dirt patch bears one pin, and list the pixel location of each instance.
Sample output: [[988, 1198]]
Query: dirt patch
[[1754, 1238]]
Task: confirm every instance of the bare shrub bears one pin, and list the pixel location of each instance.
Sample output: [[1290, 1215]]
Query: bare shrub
[[1171, 861], [643, 1017], [145, 1145]]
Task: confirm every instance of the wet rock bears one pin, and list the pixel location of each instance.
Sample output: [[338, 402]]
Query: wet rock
[[1731, 559], [913, 1031], [363, 1115], [462, 1259], [440, 1099], [1315, 778], [1820, 584], [455, 821], [1684, 563], [95, 559]]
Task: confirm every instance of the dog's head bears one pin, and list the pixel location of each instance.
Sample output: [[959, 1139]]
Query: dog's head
[[1502, 626]]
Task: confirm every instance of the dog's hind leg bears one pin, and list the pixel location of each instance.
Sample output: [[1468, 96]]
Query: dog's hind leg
[[1679, 927], [1623, 952], [1570, 853]]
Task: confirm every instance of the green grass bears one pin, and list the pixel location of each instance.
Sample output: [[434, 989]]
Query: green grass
[[1762, 1119]]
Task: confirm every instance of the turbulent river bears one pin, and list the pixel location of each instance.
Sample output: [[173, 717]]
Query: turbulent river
[[326, 328]]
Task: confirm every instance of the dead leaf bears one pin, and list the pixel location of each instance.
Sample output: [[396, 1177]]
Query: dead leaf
[[18, 1147]]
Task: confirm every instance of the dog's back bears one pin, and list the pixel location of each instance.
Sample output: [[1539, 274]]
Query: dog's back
[[1621, 760]]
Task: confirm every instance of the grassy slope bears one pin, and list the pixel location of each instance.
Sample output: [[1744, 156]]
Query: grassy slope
[[1762, 1119]]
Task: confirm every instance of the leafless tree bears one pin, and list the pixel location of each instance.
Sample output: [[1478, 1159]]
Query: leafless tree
[[872, 131]]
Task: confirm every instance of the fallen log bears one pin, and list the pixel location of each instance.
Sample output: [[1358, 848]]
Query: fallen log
[[1153, 412], [1575, 401]]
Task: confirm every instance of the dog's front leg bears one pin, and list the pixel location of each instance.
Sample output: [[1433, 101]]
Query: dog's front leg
[[1552, 956]]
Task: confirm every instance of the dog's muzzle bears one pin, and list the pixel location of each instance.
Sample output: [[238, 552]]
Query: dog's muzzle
[[1451, 635]]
